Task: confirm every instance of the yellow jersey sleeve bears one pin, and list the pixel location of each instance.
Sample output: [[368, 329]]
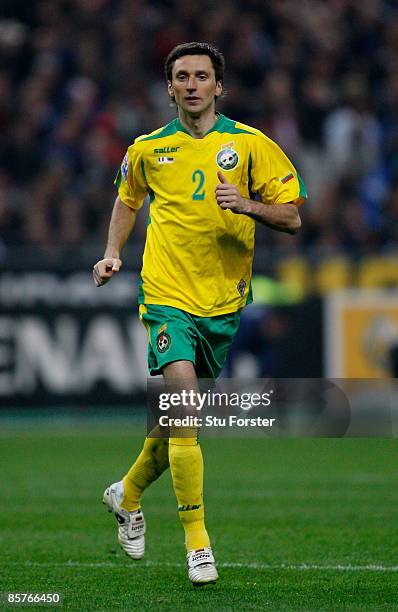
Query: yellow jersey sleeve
[[130, 180], [273, 175]]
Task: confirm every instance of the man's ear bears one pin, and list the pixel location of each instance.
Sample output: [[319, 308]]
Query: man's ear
[[218, 91], [170, 90]]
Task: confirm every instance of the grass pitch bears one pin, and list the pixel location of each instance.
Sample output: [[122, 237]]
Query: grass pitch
[[295, 524]]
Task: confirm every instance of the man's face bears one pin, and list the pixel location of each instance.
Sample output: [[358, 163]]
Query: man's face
[[193, 84]]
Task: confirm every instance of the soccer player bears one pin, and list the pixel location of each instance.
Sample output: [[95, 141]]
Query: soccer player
[[209, 179]]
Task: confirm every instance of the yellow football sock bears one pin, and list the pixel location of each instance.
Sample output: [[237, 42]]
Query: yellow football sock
[[150, 464], [186, 466]]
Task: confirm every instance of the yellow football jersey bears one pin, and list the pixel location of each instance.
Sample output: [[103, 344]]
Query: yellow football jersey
[[198, 257]]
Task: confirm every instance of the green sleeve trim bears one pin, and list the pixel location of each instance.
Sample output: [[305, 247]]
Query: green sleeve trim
[[249, 174], [118, 179], [249, 295], [303, 189], [141, 296], [150, 191], [143, 171]]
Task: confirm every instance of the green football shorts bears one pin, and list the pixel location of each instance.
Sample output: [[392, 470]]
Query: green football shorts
[[176, 335]]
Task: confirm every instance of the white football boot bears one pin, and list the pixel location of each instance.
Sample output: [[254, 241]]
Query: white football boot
[[202, 567], [131, 524]]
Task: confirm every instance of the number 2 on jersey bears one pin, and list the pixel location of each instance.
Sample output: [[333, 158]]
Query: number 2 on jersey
[[198, 177]]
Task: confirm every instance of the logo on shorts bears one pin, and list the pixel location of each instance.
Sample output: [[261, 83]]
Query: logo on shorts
[[163, 342], [227, 158], [241, 286]]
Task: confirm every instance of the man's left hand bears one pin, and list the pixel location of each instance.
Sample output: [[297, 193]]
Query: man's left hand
[[228, 196]]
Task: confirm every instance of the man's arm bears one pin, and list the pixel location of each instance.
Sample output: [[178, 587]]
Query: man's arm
[[280, 217], [122, 222]]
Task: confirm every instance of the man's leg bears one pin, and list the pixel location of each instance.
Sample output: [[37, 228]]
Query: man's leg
[[186, 466], [123, 498], [149, 465], [186, 462]]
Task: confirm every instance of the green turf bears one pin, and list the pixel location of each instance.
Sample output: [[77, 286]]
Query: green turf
[[273, 507]]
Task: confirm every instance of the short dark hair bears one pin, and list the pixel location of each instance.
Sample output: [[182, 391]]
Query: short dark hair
[[196, 48]]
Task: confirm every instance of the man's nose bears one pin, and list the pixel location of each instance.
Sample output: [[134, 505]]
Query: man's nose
[[191, 85]]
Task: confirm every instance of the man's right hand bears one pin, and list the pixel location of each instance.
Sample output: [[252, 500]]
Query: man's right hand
[[104, 269]]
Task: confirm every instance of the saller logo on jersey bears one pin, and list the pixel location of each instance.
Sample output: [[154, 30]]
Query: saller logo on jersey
[[163, 342], [227, 158], [164, 150]]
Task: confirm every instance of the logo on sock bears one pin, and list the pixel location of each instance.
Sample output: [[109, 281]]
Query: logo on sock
[[186, 507]]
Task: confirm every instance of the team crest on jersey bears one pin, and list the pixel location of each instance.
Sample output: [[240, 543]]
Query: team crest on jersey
[[125, 166], [163, 342], [227, 158], [241, 286]]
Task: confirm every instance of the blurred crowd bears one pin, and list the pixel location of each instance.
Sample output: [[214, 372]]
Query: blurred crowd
[[79, 79]]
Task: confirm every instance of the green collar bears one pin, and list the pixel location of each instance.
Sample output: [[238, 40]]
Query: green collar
[[216, 127]]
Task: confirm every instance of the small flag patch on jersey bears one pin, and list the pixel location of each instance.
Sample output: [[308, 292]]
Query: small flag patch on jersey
[[287, 178], [165, 160]]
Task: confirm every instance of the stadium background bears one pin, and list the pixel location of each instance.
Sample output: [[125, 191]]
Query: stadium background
[[315, 527], [80, 79]]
